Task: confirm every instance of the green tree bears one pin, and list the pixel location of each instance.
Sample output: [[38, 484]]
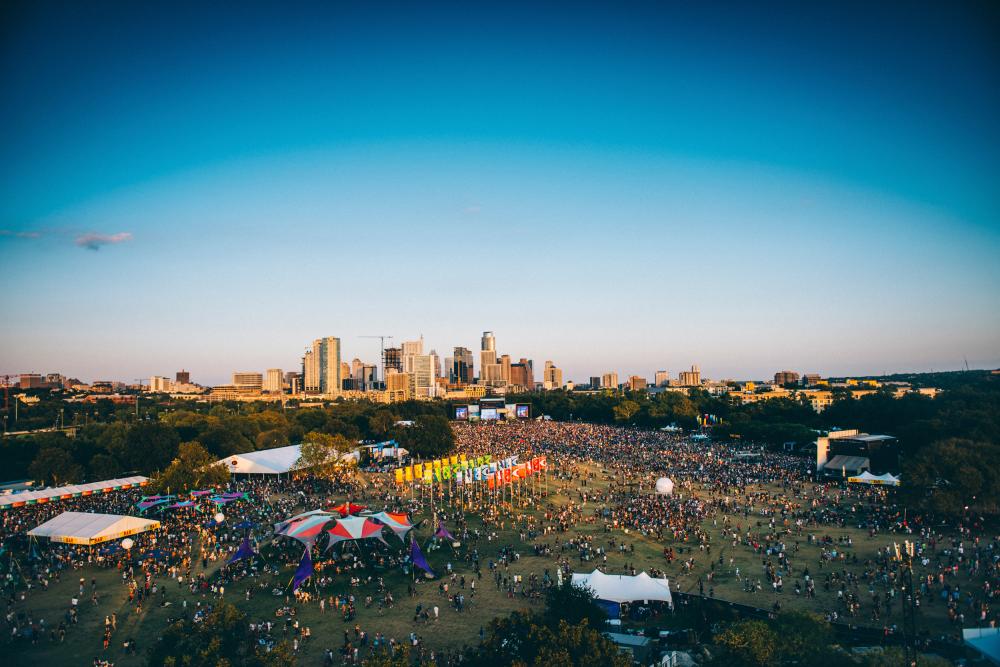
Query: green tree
[[805, 637], [221, 639], [521, 640], [793, 638], [626, 410], [572, 604], [429, 436], [894, 657], [749, 642], [104, 466], [150, 446], [382, 424], [55, 465], [194, 468], [276, 437], [949, 475], [321, 453]]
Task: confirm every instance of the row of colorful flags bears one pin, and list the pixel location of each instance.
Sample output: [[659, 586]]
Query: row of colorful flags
[[513, 473], [480, 469], [441, 469]]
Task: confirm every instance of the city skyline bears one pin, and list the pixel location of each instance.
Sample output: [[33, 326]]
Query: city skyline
[[616, 191], [225, 372]]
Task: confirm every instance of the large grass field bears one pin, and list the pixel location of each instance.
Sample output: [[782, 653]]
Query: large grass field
[[454, 629]]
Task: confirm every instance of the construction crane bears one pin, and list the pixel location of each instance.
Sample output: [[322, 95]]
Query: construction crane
[[138, 393], [6, 402], [382, 340]]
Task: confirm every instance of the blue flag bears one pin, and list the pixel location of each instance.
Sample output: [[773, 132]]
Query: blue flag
[[418, 559]]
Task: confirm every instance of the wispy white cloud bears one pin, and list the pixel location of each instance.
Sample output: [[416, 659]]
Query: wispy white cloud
[[472, 210], [20, 235], [94, 241]]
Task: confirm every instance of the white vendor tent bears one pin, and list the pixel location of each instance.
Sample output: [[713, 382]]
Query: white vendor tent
[[886, 479], [85, 528], [72, 491], [622, 588]]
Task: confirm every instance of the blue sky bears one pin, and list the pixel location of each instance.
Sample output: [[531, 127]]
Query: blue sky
[[626, 187]]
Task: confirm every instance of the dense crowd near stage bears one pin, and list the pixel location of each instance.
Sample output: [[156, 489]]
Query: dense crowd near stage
[[730, 505]]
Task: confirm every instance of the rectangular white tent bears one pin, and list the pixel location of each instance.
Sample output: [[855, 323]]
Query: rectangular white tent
[[622, 588], [86, 528], [72, 491]]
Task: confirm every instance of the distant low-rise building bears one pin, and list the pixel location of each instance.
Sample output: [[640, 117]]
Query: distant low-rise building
[[248, 379], [552, 377], [691, 378], [786, 377], [161, 384], [397, 385], [274, 381]]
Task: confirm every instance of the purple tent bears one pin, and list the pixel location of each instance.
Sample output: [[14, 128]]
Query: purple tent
[[146, 504], [245, 551], [304, 572], [443, 533], [417, 556]]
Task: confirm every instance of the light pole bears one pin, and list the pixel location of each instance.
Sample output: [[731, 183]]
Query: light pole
[[905, 559]]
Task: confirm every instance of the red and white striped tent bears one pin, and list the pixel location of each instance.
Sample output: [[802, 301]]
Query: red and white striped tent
[[398, 522], [354, 528]]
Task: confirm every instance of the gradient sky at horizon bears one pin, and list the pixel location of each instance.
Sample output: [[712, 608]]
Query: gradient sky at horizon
[[748, 188]]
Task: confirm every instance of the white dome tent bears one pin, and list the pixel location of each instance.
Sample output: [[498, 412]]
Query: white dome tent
[[664, 486]]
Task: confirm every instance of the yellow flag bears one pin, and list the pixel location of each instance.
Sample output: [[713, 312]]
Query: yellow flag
[[454, 460], [399, 475], [409, 473]]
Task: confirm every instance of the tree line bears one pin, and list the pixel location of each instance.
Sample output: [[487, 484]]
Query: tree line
[[124, 445]]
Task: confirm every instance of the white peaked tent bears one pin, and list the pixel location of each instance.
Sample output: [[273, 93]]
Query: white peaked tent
[[886, 479], [277, 461], [85, 528], [622, 588], [265, 462]]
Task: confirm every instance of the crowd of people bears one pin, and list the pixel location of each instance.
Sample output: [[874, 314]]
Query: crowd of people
[[741, 523], [733, 503]]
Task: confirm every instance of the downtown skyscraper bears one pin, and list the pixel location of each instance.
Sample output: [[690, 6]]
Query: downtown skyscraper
[[321, 367]]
